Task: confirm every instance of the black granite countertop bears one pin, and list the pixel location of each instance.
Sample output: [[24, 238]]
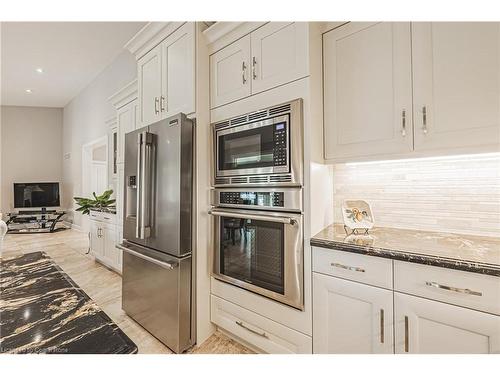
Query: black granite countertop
[[462, 252], [43, 311]]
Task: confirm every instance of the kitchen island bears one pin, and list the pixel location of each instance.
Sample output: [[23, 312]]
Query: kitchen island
[[43, 311]]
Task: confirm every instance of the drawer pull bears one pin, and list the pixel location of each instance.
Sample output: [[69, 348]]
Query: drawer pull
[[262, 334], [453, 289], [407, 335], [350, 268], [382, 326]]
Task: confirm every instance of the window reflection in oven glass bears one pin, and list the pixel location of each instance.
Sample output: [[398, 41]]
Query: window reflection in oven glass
[[253, 251]]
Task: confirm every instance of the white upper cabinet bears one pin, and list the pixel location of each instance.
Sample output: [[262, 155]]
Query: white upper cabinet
[[456, 78], [230, 73], [279, 54], [367, 90], [126, 123], [429, 327], [149, 83], [166, 76], [350, 317], [272, 55], [178, 72]]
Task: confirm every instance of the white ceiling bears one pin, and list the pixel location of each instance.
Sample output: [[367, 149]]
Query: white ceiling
[[71, 55]]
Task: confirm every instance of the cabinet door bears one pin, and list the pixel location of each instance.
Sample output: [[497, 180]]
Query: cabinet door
[[230, 73], [279, 54], [350, 317], [149, 83], [430, 327], [367, 90], [126, 123], [96, 242], [178, 72], [456, 75], [111, 253]]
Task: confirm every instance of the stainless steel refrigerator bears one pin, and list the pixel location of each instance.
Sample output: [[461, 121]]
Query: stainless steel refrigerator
[[157, 230]]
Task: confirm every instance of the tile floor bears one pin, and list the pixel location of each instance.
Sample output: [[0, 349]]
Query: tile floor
[[68, 248]]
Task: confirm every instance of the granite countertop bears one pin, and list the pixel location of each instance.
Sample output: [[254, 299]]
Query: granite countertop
[[43, 311], [461, 252]]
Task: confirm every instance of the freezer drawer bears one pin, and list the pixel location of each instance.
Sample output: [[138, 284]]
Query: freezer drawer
[[156, 292]]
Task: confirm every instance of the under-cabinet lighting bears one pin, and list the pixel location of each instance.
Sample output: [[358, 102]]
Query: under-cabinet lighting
[[39, 70], [484, 156], [29, 91]]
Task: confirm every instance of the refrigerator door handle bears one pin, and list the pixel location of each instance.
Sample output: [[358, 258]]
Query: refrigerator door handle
[[139, 188], [167, 265], [146, 184]]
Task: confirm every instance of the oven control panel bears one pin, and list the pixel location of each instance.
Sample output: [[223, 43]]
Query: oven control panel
[[248, 198], [280, 144]]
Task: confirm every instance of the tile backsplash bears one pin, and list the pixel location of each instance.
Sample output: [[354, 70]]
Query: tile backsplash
[[458, 194]]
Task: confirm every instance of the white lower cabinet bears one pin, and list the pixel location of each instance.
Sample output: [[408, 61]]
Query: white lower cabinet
[[423, 326], [258, 331], [103, 239], [350, 317]]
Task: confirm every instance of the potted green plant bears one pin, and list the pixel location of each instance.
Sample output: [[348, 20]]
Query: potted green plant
[[100, 202]]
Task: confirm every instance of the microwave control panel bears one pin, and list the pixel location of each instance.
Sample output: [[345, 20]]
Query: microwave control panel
[[280, 144]]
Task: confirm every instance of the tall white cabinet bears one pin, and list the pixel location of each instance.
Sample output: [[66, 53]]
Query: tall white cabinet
[[411, 88], [166, 74]]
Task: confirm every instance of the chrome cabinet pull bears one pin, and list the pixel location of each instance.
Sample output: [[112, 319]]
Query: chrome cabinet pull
[[424, 119], [162, 103], [403, 123], [407, 335], [262, 334], [157, 101], [243, 72], [382, 326], [254, 64], [453, 289], [350, 268]]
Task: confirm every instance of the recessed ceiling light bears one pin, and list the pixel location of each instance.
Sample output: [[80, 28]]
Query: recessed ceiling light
[[39, 70], [29, 91]]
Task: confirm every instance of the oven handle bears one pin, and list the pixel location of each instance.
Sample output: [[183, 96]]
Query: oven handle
[[276, 219]]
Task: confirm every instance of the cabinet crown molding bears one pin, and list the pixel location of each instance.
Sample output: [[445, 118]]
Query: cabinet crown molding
[[150, 36], [111, 122], [221, 34], [125, 95]]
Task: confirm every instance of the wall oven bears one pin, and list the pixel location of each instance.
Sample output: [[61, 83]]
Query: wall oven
[[259, 241], [263, 147]]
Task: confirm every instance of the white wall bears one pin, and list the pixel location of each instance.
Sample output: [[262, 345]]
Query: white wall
[[459, 194], [84, 121], [31, 147]]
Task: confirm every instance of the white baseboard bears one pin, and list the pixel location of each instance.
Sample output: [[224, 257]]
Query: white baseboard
[[73, 226]]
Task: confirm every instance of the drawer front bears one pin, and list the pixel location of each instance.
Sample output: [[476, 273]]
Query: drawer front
[[468, 289], [263, 333], [362, 268]]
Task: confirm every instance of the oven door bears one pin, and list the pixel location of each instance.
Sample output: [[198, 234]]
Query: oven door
[[261, 252], [257, 148]]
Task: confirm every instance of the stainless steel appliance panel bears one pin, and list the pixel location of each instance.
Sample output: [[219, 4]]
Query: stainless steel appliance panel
[[266, 259], [172, 203], [156, 292], [257, 145], [131, 196]]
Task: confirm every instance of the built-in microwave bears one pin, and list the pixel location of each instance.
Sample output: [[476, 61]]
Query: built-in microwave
[[263, 147]]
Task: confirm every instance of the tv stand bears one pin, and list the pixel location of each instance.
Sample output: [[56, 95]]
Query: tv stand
[[39, 221]]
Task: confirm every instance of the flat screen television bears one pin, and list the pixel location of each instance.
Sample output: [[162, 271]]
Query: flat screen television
[[36, 194]]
